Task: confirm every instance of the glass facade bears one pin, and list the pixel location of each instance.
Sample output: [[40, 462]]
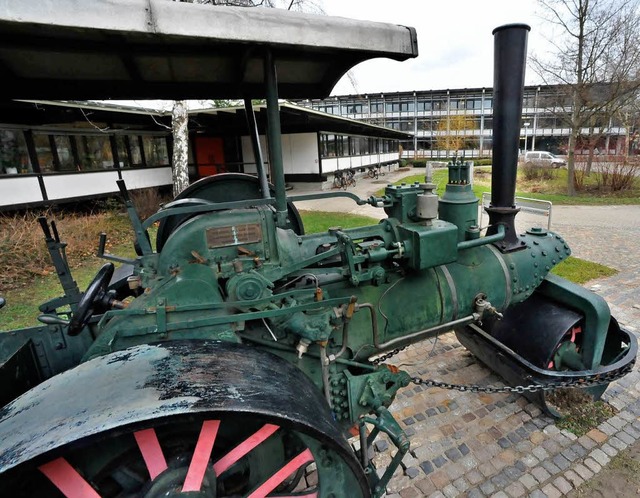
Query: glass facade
[[433, 116], [57, 152]]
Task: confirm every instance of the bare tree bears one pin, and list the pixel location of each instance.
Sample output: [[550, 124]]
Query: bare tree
[[596, 62]]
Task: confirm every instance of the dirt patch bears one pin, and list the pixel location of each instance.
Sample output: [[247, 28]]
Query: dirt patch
[[619, 479], [580, 413]]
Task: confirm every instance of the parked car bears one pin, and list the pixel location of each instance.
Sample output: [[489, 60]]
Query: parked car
[[542, 159]]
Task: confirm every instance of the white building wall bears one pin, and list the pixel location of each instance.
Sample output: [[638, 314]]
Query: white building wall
[[19, 190], [299, 153]]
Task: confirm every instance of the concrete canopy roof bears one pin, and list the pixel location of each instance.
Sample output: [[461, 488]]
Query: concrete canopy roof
[[158, 49]]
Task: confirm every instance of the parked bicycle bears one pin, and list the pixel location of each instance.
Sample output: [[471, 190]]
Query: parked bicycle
[[350, 178], [344, 178], [373, 172]]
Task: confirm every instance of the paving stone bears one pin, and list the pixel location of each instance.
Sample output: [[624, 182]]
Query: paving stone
[[617, 443], [412, 472], [426, 467], [475, 493], [450, 491], [600, 456], [500, 494], [461, 484], [583, 471], [626, 438], [617, 421], [540, 453], [453, 454], [561, 462], [437, 494], [551, 491], [528, 481], [487, 469], [474, 477], [569, 454], [593, 465], [573, 478], [381, 445], [487, 488], [530, 461], [607, 428], [500, 480], [551, 467], [504, 442], [537, 493], [562, 484], [464, 449], [410, 493], [515, 489], [439, 461], [596, 435], [540, 473], [578, 449], [425, 486], [440, 479], [609, 450]]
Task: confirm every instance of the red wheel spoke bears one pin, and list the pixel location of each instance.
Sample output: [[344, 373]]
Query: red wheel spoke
[[244, 447], [67, 479], [201, 456], [151, 452], [276, 479], [310, 495]]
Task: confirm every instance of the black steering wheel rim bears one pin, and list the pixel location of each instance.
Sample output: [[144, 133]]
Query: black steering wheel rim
[[94, 293]]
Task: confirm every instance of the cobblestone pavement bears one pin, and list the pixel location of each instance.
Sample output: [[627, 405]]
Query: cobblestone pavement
[[467, 444]]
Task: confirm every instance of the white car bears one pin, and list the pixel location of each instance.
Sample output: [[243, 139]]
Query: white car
[[542, 159]]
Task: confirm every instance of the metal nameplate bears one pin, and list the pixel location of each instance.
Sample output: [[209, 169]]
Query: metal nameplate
[[233, 235]]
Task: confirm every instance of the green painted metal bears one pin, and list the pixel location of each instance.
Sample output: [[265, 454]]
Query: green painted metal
[[459, 205]]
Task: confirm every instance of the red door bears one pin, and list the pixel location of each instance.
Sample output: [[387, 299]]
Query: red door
[[209, 156]]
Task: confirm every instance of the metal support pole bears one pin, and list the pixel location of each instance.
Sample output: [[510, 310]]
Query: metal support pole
[[257, 151], [275, 137]]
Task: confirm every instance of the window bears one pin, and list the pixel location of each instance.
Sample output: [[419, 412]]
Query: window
[[94, 152], [14, 157], [327, 145], [123, 156], [44, 153], [424, 105], [377, 107], [155, 151], [342, 145], [64, 151]]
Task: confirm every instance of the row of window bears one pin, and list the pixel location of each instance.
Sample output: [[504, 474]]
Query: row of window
[[380, 107], [344, 145], [25, 151]]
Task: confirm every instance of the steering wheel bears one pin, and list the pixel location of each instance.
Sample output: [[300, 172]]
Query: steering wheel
[[95, 293]]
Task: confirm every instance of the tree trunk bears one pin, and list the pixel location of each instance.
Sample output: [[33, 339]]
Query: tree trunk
[[571, 161], [179, 122]]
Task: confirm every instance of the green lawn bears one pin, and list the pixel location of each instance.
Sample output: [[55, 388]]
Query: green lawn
[[547, 190]]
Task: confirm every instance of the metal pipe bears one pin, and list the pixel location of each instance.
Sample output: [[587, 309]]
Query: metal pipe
[[416, 335], [489, 239], [275, 139], [510, 47], [257, 150], [324, 368]]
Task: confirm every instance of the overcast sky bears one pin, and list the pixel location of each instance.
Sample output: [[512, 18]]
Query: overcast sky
[[455, 44]]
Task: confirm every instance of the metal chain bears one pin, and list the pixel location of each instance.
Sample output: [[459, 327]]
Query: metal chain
[[388, 355], [585, 381]]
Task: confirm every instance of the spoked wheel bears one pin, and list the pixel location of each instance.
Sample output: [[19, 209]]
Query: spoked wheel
[[231, 457], [196, 418]]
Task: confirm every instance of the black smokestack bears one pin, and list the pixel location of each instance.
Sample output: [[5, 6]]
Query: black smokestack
[[510, 49]]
